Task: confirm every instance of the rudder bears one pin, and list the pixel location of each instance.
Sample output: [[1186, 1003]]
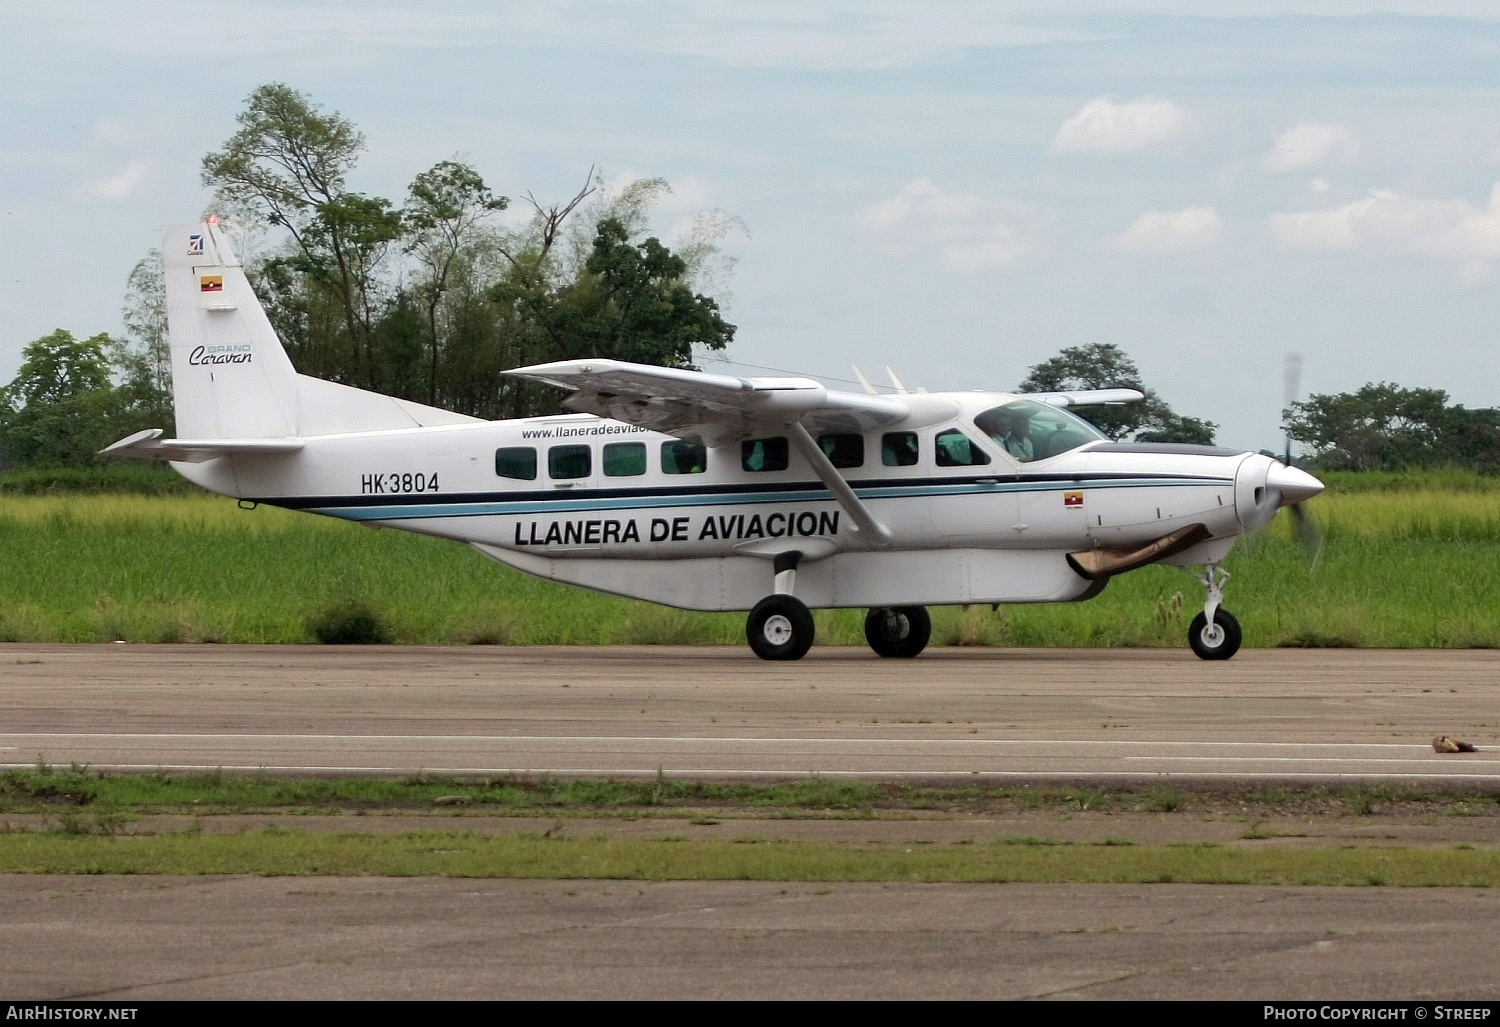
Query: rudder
[[231, 378]]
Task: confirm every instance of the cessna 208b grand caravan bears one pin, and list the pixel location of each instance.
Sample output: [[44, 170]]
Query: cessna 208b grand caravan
[[712, 492]]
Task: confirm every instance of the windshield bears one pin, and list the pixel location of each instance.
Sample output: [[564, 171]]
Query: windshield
[[1029, 430]]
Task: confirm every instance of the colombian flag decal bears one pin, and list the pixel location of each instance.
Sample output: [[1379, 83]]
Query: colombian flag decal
[[211, 283], [1072, 499]]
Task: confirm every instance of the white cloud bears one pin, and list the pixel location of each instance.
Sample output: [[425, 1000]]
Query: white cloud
[[968, 231], [1390, 222], [1319, 185], [1306, 144], [1104, 125], [119, 185], [1189, 230]]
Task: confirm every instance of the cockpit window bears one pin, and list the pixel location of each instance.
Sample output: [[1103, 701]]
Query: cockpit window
[[1029, 430]]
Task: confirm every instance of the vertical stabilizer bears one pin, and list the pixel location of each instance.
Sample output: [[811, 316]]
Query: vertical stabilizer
[[231, 378]]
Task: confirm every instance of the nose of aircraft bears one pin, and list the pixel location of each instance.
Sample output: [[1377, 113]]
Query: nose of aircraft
[[1293, 483]]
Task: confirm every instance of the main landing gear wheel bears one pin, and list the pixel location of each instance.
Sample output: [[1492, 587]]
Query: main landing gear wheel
[[900, 631], [780, 628], [1219, 642]]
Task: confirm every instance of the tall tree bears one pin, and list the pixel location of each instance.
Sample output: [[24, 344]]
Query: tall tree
[[632, 303], [142, 360], [447, 204], [434, 301], [1103, 365], [60, 409], [287, 166]]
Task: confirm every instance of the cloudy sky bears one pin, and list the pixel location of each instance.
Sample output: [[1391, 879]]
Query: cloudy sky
[[957, 190]]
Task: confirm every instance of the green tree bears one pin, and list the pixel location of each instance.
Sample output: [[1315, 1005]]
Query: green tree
[[287, 167], [142, 360], [1173, 427], [1103, 365], [1387, 427], [61, 408], [436, 300], [446, 207], [632, 302]]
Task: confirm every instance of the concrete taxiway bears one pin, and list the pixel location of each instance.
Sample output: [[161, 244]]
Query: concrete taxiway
[[952, 714], [128, 938]]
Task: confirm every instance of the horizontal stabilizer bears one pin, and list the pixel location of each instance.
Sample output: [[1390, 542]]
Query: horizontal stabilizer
[[1095, 564], [149, 445], [1088, 397]]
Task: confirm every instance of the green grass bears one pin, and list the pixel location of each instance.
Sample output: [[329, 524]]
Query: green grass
[[1409, 561], [129, 477], [280, 852]]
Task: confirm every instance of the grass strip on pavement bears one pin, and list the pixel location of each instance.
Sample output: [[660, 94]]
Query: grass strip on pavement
[[276, 852]]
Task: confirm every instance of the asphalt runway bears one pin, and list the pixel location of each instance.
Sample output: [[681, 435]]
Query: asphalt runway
[[952, 715], [719, 712], [125, 938]]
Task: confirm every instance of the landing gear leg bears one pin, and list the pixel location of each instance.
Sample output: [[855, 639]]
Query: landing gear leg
[[1214, 633], [900, 631], [781, 627]]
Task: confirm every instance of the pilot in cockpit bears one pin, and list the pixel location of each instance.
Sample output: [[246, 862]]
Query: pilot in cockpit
[[1018, 440]]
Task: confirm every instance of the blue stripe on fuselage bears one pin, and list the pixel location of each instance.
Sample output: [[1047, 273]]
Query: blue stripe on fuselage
[[413, 507]]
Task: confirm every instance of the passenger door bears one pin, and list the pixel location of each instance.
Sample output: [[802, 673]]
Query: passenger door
[[971, 498]]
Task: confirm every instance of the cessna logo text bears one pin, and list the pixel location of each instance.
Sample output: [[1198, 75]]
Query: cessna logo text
[[237, 354], [677, 529]]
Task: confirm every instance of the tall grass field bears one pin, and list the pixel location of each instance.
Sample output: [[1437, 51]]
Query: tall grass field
[[1410, 561]]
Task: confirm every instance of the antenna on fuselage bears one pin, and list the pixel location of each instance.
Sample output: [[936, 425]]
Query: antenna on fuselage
[[900, 389], [863, 381]]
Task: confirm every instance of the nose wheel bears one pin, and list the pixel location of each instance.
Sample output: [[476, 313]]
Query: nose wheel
[[898, 631], [1217, 641], [1214, 634]]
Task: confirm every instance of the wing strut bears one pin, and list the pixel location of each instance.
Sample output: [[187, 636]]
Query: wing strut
[[830, 476]]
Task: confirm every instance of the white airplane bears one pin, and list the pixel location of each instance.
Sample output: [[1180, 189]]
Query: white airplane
[[713, 492]]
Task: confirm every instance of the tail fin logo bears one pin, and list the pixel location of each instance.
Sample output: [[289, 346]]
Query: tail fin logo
[[211, 283], [195, 246]]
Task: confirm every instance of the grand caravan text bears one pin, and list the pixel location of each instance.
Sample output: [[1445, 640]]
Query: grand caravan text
[[732, 527]]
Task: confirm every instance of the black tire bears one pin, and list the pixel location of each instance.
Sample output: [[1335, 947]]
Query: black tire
[[899, 631], [780, 628], [1209, 648]]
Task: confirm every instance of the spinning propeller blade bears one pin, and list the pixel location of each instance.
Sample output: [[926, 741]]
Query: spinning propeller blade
[[1310, 535], [1292, 375]]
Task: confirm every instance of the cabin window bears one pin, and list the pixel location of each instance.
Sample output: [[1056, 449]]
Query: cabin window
[[843, 450], [898, 448], [624, 459], [955, 449], [569, 461], [1029, 430], [683, 457], [516, 462], [764, 454]]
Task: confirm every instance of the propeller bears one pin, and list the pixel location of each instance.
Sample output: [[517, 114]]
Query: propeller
[[1310, 536], [1292, 375]]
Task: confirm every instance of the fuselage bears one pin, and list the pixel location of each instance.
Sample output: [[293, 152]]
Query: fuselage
[[606, 504]]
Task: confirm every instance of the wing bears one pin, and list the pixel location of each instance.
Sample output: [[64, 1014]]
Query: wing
[[149, 445], [715, 408], [1087, 397]]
